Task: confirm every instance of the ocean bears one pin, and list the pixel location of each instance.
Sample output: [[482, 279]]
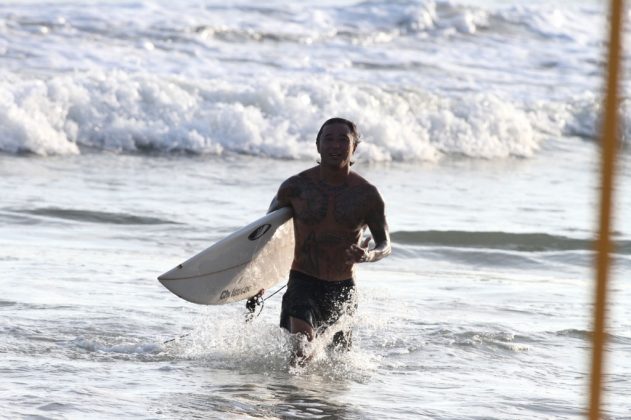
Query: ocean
[[134, 134]]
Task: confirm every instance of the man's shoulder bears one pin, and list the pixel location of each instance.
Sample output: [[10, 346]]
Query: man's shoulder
[[295, 182], [368, 192], [301, 177], [358, 181]]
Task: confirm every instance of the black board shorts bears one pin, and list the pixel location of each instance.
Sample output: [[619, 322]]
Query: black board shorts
[[318, 302]]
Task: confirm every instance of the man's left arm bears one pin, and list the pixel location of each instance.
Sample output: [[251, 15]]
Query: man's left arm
[[376, 221], [379, 230]]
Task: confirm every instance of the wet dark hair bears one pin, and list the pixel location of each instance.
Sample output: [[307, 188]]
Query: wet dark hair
[[337, 120]]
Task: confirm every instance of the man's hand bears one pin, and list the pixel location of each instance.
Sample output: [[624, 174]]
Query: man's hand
[[358, 253], [252, 303]]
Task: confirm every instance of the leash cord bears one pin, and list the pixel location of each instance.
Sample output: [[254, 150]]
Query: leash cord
[[249, 317], [255, 301], [177, 338]]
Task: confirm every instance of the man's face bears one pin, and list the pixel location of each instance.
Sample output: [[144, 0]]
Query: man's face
[[336, 145]]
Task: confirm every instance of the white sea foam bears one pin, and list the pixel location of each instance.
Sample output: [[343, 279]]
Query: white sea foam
[[554, 21], [118, 111], [31, 122], [224, 340], [98, 345], [210, 79]]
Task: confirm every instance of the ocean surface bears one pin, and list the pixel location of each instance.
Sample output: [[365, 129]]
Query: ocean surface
[[136, 133]]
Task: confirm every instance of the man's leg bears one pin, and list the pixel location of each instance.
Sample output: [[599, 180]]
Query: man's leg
[[343, 340], [301, 330]]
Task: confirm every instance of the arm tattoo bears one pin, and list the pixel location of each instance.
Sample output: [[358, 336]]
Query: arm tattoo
[[288, 190]]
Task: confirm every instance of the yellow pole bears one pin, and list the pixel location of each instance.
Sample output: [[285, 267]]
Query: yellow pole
[[608, 162]]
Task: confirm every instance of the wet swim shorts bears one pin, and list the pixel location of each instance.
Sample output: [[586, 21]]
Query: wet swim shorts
[[317, 302]]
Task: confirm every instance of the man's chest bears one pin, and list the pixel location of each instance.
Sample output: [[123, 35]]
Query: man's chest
[[346, 206]]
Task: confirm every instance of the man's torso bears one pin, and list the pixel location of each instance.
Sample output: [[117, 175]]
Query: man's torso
[[328, 219]]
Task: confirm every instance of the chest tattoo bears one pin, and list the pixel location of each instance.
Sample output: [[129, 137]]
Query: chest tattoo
[[313, 203], [351, 206]]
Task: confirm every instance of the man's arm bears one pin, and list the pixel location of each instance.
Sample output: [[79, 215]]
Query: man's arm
[[378, 226], [379, 229], [273, 206], [281, 199], [287, 190]]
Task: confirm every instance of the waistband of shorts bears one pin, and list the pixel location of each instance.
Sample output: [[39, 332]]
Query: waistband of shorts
[[300, 276]]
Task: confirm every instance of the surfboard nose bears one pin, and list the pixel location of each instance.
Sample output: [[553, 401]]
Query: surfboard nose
[[172, 274]]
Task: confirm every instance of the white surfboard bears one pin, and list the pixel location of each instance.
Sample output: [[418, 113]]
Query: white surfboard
[[253, 258]]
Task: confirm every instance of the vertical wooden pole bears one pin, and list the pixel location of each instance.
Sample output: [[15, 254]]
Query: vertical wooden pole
[[609, 144]]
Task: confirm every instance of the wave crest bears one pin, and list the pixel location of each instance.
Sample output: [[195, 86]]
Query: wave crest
[[122, 112], [523, 242], [93, 216]]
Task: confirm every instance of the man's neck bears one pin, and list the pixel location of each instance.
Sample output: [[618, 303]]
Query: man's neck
[[334, 176]]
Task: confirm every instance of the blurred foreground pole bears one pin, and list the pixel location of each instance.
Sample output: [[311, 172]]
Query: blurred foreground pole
[[609, 144]]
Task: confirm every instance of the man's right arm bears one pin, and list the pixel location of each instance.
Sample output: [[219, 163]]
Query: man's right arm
[[282, 198], [287, 190], [273, 206]]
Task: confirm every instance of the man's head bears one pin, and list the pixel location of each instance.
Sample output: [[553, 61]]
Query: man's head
[[336, 141]]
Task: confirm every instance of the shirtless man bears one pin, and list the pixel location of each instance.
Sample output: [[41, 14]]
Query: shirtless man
[[331, 206]]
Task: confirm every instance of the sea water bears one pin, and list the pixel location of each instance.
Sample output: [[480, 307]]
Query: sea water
[[134, 134]]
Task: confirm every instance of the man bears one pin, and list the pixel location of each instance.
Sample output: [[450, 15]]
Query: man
[[331, 206]]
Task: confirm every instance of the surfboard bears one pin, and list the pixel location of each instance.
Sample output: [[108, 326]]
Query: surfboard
[[254, 257]]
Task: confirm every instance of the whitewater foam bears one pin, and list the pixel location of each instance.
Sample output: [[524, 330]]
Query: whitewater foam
[[122, 112], [129, 348], [155, 77]]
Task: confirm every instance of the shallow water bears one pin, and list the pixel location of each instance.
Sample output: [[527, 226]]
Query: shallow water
[[135, 134], [445, 329]]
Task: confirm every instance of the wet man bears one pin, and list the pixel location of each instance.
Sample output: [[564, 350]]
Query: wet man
[[331, 205]]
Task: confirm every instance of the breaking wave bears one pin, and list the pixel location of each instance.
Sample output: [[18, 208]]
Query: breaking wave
[[122, 112]]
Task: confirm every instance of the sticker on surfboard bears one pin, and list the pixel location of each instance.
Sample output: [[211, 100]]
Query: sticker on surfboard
[[259, 231]]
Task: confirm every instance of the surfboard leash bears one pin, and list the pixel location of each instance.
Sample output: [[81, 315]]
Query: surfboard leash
[[176, 338], [250, 304], [255, 301]]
